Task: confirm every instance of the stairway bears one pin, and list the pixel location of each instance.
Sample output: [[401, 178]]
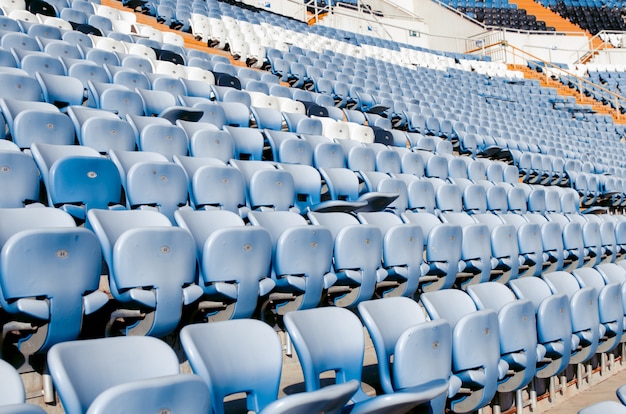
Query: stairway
[[564, 91], [555, 20]]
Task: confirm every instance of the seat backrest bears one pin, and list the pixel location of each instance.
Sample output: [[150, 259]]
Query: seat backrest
[[235, 356], [19, 179], [163, 259], [58, 264], [76, 174], [386, 320], [448, 304], [327, 339], [110, 362]]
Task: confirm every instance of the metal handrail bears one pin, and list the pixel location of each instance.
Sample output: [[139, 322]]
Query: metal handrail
[[580, 80]]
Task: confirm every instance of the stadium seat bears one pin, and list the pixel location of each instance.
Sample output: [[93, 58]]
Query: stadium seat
[[251, 352], [126, 373], [151, 270], [340, 330], [233, 262]]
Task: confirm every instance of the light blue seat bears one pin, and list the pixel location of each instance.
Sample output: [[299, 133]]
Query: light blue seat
[[155, 101], [77, 178], [357, 257], [245, 356], [206, 140], [101, 130], [248, 142], [308, 191], [326, 153], [215, 113], [17, 40], [34, 62], [302, 124], [613, 273], [401, 333], [610, 310], [233, 262], [151, 269], [604, 407], [301, 259], [554, 326], [505, 250], [214, 185], [85, 71], [267, 118], [126, 373], [343, 184], [518, 335], [331, 339], [49, 276], [19, 179], [584, 313], [267, 188], [151, 181], [13, 394], [60, 91], [19, 86], [128, 77], [475, 346], [476, 251], [31, 122], [443, 244], [116, 98], [403, 247], [288, 148]]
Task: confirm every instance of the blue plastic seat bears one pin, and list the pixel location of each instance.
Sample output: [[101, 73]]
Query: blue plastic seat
[[331, 339], [101, 130], [151, 269], [206, 140], [583, 310], [518, 334], [33, 62], [128, 373], [554, 326], [343, 184], [610, 308], [442, 253], [326, 153], [248, 142], [128, 77], [267, 188], [19, 179], [49, 276], [151, 181], [302, 256], [61, 91], [233, 262], [13, 395], [288, 148], [308, 191], [267, 118], [77, 178], [357, 257], [475, 346], [19, 86], [401, 333], [31, 122], [116, 98], [250, 352], [403, 246], [604, 407]]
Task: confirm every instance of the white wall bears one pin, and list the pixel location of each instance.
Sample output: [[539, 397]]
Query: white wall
[[552, 48]]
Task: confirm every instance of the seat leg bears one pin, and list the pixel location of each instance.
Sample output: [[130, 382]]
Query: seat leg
[[48, 387]]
